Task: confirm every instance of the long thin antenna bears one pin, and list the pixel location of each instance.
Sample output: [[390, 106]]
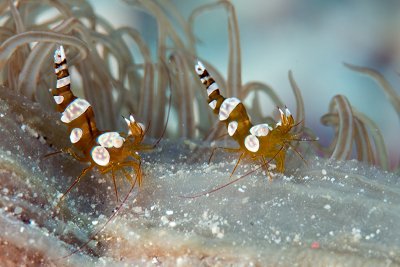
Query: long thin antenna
[[298, 153], [169, 109], [235, 180], [107, 222], [166, 123]]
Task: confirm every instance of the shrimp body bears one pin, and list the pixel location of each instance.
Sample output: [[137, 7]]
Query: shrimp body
[[108, 151], [259, 142]]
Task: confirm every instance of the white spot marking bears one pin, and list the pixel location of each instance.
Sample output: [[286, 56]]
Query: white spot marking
[[200, 68], [260, 130], [60, 68], [251, 142], [74, 110], [141, 125], [110, 139], [287, 111], [100, 155], [282, 114], [59, 55], [213, 104], [132, 123], [63, 82], [232, 127], [213, 87], [205, 79], [118, 142], [75, 135], [227, 107], [58, 98], [127, 121]]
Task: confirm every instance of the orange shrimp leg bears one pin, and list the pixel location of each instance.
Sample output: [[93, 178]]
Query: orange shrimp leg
[[139, 173], [83, 173], [52, 154], [237, 163], [265, 167], [128, 176], [224, 148], [136, 166], [115, 184], [235, 180], [68, 151]]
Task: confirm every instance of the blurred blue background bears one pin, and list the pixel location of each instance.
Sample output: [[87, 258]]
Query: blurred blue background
[[310, 37]]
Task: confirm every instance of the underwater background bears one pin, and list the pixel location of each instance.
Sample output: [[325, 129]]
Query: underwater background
[[339, 208], [311, 38]]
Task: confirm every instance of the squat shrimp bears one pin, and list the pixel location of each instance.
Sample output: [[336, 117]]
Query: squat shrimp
[[259, 142], [107, 151]]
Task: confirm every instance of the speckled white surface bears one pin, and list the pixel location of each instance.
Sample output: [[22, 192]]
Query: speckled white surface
[[323, 213]]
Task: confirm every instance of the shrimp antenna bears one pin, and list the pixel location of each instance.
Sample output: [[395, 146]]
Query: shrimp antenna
[[304, 140], [235, 180], [298, 153], [117, 210], [169, 107], [166, 123]]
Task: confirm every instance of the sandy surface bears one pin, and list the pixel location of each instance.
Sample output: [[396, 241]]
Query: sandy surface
[[321, 214]]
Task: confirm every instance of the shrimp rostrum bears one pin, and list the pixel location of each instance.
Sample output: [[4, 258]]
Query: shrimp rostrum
[[260, 142]]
